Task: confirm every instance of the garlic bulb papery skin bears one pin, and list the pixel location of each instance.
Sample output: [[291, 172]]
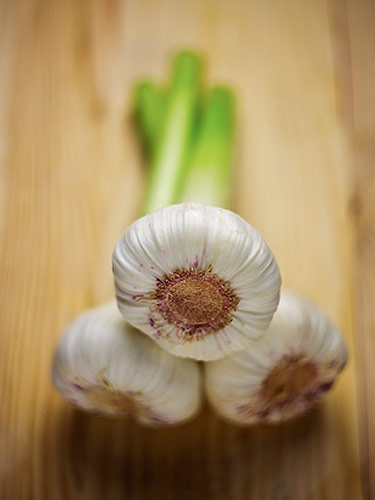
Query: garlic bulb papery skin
[[103, 365], [197, 279], [284, 373]]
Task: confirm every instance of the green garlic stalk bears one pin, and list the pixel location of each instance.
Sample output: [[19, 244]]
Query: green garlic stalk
[[167, 173], [149, 109], [209, 178]]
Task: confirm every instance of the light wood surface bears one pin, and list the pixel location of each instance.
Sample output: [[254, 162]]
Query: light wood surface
[[71, 181]]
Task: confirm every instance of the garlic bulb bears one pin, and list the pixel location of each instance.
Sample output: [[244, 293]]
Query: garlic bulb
[[284, 373], [197, 279], [102, 364]]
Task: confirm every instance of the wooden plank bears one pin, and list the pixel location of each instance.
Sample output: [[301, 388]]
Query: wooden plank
[[71, 182], [356, 52]]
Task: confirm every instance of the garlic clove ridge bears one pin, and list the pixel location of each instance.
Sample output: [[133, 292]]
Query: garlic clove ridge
[[197, 279], [103, 365], [283, 374]]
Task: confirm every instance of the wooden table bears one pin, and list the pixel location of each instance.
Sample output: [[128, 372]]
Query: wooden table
[[71, 181]]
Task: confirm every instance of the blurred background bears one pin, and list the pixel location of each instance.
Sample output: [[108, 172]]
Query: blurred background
[[71, 182]]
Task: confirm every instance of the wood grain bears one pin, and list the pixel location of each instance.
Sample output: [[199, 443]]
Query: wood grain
[[71, 182], [358, 95]]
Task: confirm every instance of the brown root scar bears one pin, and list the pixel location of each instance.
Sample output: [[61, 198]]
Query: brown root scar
[[196, 301]]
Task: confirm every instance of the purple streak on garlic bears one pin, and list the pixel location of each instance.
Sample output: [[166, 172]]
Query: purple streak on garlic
[[103, 365], [283, 374], [210, 283]]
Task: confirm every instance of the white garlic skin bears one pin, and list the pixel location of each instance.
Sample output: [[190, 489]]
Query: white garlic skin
[[192, 236], [103, 365], [235, 385]]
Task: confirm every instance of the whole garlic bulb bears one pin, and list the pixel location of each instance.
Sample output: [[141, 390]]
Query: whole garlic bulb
[[282, 374], [102, 364], [197, 279]]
